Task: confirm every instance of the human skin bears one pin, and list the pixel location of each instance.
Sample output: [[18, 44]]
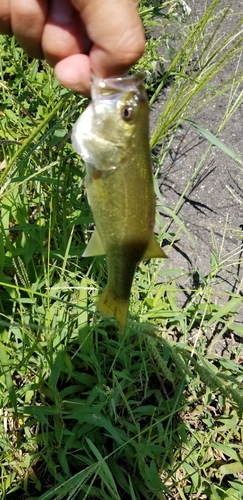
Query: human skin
[[77, 37]]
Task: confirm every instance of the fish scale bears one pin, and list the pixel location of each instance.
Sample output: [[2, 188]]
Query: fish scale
[[112, 136]]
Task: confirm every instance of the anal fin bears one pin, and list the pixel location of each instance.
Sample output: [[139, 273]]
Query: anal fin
[[153, 250]]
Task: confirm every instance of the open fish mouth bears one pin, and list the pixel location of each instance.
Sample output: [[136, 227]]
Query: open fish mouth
[[120, 83]]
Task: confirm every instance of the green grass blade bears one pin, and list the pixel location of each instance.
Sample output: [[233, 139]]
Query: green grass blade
[[215, 141]]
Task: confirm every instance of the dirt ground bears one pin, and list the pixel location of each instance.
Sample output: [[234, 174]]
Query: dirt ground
[[209, 211]]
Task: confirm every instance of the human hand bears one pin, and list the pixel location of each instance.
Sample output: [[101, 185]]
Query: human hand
[[77, 37]]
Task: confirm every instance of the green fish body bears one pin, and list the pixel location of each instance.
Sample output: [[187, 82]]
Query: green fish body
[[112, 136]]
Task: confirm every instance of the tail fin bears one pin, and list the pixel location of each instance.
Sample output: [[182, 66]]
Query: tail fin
[[112, 306]]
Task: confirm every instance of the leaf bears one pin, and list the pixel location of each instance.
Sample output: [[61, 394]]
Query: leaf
[[74, 483], [193, 473], [84, 333], [215, 141], [230, 307], [133, 496], [62, 456], [153, 476], [5, 370], [236, 328], [233, 468], [107, 475], [58, 135], [11, 115], [233, 495], [56, 369], [2, 253], [226, 450], [237, 486], [97, 420], [180, 223]]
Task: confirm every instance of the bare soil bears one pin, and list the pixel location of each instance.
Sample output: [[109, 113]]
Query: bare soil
[[209, 211]]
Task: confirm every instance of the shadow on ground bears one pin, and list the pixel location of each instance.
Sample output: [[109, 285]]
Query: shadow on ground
[[209, 208]]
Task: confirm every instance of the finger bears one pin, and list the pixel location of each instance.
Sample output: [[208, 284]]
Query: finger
[[115, 29], [74, 72], [28, 19], [64, 34], [5, 24]]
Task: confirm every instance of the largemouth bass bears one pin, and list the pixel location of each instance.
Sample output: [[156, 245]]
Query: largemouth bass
[[112, 136]]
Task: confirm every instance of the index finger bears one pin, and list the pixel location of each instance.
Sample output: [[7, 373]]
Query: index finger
[[116, 32], [117, 41], [5, 22]]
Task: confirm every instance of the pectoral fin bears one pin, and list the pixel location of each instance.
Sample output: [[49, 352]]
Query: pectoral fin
[[153, 250], [95, 246]]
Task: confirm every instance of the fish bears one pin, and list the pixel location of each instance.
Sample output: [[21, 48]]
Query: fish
[[112, 137]]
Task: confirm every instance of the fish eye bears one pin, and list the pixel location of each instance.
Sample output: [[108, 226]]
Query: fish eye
[[127, 113]]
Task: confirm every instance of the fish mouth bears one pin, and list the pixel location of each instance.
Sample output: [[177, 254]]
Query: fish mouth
[[123, 83]]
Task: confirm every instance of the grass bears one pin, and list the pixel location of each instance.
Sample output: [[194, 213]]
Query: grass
[[85, 413]]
